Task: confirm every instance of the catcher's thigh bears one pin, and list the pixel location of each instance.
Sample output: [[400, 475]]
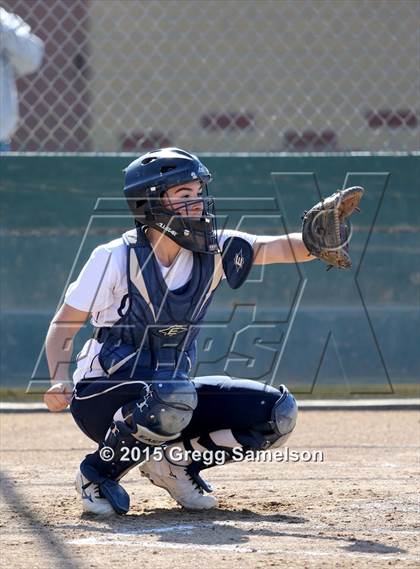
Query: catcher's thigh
[[160, 407], [245, 407], [96, 401]]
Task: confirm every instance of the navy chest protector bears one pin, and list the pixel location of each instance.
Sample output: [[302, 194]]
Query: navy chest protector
[[159, 328]]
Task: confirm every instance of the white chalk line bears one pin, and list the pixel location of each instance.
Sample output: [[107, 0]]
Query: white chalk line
[[285, 527], [115, 539], [161, 545], [186, 528], [93, 541]]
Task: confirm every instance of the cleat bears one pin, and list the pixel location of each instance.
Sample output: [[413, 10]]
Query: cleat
[[184, 486], [92, 500]]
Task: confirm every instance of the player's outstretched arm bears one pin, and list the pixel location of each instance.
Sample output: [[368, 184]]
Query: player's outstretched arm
[[59, 348], [281, 249]]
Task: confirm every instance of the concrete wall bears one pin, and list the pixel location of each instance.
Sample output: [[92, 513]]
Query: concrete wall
[[348, 331]]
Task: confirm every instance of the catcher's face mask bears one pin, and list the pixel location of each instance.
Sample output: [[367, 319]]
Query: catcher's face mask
[[186, 216], [185, 199]]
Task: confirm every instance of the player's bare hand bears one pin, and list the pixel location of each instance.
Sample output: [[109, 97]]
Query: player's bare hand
[[58, 397]]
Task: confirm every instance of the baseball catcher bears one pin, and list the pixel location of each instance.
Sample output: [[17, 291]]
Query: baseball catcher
[[146, 294]]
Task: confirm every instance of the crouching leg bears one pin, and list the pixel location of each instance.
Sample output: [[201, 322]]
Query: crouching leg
[[164, 409], [250, 417]]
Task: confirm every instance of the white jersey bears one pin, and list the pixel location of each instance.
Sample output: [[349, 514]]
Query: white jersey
[[102, 285]]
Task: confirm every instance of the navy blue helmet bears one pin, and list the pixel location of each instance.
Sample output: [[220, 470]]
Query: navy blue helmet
[[146, 180]]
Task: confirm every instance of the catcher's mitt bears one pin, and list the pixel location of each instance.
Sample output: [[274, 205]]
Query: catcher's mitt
[[324, 229]]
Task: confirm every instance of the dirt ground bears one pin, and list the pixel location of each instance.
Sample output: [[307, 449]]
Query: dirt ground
[[357, 508]]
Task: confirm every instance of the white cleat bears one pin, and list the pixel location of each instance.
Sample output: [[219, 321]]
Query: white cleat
[[91, 497], [177, 481]]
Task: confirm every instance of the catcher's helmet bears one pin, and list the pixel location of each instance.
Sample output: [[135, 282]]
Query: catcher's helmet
[[150, 176]]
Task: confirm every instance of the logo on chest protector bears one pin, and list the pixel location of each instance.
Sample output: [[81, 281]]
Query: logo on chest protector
[[173, 330]]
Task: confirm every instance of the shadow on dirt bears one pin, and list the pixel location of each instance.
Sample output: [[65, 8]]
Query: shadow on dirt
[[366, 546], [54, 547], [219, 527]]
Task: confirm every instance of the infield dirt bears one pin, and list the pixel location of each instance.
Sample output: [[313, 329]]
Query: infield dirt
[[357, 508]]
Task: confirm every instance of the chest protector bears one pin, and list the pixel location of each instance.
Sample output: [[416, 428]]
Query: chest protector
[[159, 328]]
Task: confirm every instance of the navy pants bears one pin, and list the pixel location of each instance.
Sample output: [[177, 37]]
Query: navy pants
[[223, 403]]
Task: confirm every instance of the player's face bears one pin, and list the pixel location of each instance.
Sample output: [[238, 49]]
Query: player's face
[[185, 199]]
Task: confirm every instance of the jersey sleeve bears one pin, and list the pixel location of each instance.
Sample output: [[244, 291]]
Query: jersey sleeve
[[93, 290], [224, 234]]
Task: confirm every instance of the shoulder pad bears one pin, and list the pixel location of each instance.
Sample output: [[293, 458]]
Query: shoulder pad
[[130, 237], [135, 238], [237, 257]]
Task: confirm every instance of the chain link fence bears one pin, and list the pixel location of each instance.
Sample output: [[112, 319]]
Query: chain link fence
[[221, 76]]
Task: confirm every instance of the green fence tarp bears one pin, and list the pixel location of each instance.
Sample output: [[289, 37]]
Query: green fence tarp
[[344, 331]]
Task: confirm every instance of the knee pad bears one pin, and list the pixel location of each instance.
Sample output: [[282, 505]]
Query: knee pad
[[164, 412], [283, 417], [274, 432]]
